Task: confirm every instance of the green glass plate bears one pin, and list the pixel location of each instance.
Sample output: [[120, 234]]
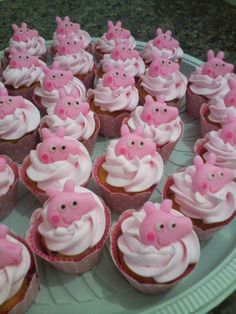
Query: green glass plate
[[103, 290]]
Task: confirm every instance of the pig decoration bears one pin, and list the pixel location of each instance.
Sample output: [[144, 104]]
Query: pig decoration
[[68, 45], [228, 131], [230, 97], [23, 33], [122, 51], [162, 66], [8, 104], [19, 58], [116, 31], [66, 27], [116, 77], [164, 40]]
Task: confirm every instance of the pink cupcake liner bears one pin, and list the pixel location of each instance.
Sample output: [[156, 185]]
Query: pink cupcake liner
[[90, 143], [206, 126], [36, 100], [173, 103], [157, 288], [97, 54], [75, 265], [8, 200], [120, 201], [88, 79], [194, 103], [25, 92], [17, 150], [199, 148]]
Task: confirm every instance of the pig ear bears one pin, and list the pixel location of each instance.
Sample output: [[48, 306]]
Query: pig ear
[[66, 19], [3, 91], [220, 55], [45, 133], [149, 100], [23, 49], [166, 205], [158, 31], [69, 186], [124, 130], [3, 164], [118, 41], [3, 230], [198, 162], [60, 37], [162, 98], [211, 158], [138, 131], [169, 33], [108, 67], [14, 27], [13, 51], [232, 83], [210, 55], [110, 24], [118, 23], [58, 19], [74, 93], [149, 207], [230, 118], [23, 25], [60, 132], [55, 65], [62, 92], [51, 192]]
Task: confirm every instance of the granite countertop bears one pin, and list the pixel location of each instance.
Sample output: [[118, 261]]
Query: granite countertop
[[198, 25]]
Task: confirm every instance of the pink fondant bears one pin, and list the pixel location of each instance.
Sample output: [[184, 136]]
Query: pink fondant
[[23, 33], [206, 124], [122, 51], [162, 66], [116, 31], [68, 45], [66, 27], [8, 104], [116, 77], [230, 97], [19, 58], [164, 40], [228, 131]]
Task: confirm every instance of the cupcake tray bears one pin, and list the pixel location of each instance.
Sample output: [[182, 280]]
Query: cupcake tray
[[103, 290]]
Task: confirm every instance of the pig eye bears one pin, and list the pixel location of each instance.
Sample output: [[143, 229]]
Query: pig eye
[[221, 174], [10, 99], [53, 148], [74, 204], [63, 148], [26, 57], [66, 25], [68, 103], [68, 43], [77, 103], [160, 227], [131, 143], [121, 29], [21, 31], [211, 176], [164, 36], [123, 48], [155, 110], [116, 74], [162, 62], [172, 226], [223, 64], [216, 64], [81, 37], [165, 110], [170, 38], [53, 76], [141, 144], [75, 42], [71, 24], [61, 74], [27, 31], [19, 57], [1, 102], [124, 75], [129, 49], [169, 62], [62, 207], [115, 29]]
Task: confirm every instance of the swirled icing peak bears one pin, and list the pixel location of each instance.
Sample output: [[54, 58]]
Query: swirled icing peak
[[164, 40], [68, 45], [123, 51], [10, 253], [116, 31], [160, 227], [116, 76], [3, 164], [70, 105], [132, 145], [55, 78], [158, 112], [23, 33], [66, 27], [56, 147], [162, 66], [9, 104], [68, 206], [228, 131], [230, 97], [19, 58], [215, 65], [209, 178]]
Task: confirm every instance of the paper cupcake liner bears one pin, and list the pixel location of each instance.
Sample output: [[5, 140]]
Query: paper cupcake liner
[[120, 201], [157, 288], [25, 92], [8, 200], [75, 265], [17, 150], [88, 79], [173, 103], [90, 143], [98, 55], [194, 103], [206, 125], [199, 148], [37, 102]]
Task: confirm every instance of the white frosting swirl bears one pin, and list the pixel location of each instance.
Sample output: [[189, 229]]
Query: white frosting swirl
[[218, 110], [132, 175], [161, 134], [163, 265], [7, 178], [122, 98], [81, 35], [35, 46], [80, 235], [106, 46], [172, 86], [211, 207], [19, 123], [12, 277]]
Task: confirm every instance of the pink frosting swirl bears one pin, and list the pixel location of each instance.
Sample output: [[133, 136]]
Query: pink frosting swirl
[[79, 34], [123, 98], [211, 207], [132, 175], [7, 178], [19, 123], [12, 277], [76, 167], [107, 45], [35, 46], [218, 110], [162, 134], [80, 235], [172, 86], [163, 265]]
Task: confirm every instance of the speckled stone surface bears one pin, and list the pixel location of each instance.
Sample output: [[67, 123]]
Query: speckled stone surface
[[198, 25]]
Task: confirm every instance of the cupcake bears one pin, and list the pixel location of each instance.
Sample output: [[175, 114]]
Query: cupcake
[[208, 81], [71, 229], [19, 121], [71, 56], [222, 143], [163, 77], [114, 97], [125, 56], [160, 123], [154, 248], [67, 28], [19, 280], [214, 113], [8, 186], [55, 160], [47, 95], [23, 73], [75, 117], [204, 192], [28, 39], [129, 172], [106, 43], [162, 44]]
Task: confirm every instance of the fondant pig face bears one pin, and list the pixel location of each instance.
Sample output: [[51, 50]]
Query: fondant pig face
[[228, 131], [68, 45], [23, 33], [8, 104], [66, 27], [164, 40], [70, 105], [21, 59], [116, 31], [132, 145], [216, 66], [162, 66], [160, 227], [116, 77], [10, 253], [122, 51], [158, 112], [68, 206], [209, 178], [55, 78], [56, 147], [230, 97]]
